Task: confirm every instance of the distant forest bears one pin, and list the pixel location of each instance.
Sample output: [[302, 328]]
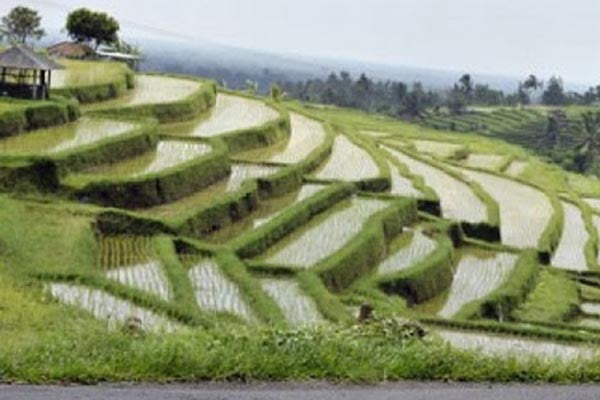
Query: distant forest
[[403, 100], [394, 98]]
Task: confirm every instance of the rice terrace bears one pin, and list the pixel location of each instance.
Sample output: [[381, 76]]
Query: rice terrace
[[164, 226]]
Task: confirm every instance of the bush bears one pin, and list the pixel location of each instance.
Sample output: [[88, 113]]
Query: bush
[[35, 115], [158, 188]]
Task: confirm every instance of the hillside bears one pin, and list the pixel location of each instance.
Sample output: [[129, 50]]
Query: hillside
[[157, 227], [237, 65]]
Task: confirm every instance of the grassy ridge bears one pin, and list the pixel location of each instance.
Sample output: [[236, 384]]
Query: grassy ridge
[[154, 188], [18, 116], [555, 298], [90, 82]]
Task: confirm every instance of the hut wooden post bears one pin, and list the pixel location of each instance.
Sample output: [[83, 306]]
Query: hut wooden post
[[30, 73]]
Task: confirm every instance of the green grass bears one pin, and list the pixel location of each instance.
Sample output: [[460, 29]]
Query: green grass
[[80, 353], [87, 73], [9, 106], [555, 298], [36, 238]]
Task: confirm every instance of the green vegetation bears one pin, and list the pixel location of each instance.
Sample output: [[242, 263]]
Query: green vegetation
[[162, 236], [17, 116], [555, 298], [92, 81], [84, 25], [21, 24]]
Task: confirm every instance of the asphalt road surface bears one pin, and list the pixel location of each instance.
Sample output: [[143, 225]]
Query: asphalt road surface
[[320, 391]]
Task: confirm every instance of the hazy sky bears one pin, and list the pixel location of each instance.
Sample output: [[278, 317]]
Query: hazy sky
[[511, 37]]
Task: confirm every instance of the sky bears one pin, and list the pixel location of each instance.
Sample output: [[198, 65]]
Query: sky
[[506, 37]]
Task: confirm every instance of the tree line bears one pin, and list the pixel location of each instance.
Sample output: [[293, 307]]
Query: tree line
[[400, 99], [23, 25]]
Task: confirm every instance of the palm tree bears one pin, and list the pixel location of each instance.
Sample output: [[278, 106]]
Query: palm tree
[[532, 82], [591, 129], [553, 128], [589, 149]]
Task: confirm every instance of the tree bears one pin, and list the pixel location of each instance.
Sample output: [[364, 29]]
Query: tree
[[553, 128], [484, 95], [251, 86], [460, 95], [591, 129], [456, 101], [554, 94], [21, 24], [276, 92], [590, 96], [84, 25], [466, 84], [363, 90], [522, 95], [414, 102], [122, 46], [589, 149], [532, 82]]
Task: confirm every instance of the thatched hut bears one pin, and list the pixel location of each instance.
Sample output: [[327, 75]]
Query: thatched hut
[[25, 73]]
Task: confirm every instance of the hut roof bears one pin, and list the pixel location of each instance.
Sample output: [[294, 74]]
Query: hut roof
[[23, 57], [70, 50], [118, 56]]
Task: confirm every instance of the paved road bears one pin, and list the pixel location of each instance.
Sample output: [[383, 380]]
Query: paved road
[[320, 391]]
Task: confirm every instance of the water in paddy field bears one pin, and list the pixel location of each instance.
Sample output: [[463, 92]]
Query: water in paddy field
[[130, 261], [151, 89], [516, 168], [458, 201], [485, 161], [520, 226], [173, 153], [516, 347], [297, 307], [417, 248], [438, 149], [105, 306], [83, 132], [168, 154], [306, 136], [348, 162], [267, 210], [149, 277], [214, 291], [402, 186], [570, 253], [240, 173], [230, 113], [325, 234], [477, 274]]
